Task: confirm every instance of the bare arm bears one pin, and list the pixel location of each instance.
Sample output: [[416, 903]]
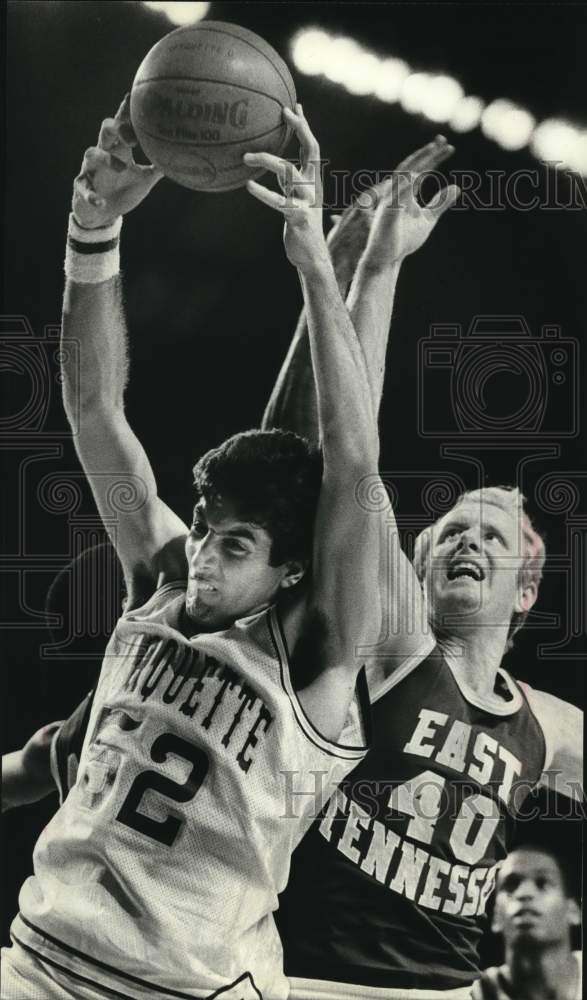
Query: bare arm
[[26, 773], [292, 404], [341, 612], [147, 535], [562, 725], [400, 227], [371, 243]]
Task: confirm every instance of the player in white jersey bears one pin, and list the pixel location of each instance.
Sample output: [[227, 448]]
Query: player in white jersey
[[159, 874], [535, 912], [27, 773]]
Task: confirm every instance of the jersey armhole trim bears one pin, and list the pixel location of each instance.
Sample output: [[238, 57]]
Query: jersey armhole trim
[[161, 591], [407, 666], [306, 725], [54, 766]]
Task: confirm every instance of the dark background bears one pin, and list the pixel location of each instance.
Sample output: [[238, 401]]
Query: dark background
[[212, 303]]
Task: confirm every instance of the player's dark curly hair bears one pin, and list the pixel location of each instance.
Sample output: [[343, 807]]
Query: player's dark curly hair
[[273, 478]]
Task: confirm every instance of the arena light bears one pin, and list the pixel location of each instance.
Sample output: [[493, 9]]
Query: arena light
[[414, 90], [362, 74], [338, 57], [438, 97], [507, 124], [441, 98], [309, 51], [577, 159], [467, 114], [180, 13], [389, 80], [554, 141]]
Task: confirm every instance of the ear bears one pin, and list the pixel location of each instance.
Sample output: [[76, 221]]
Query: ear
[[294, 572], [526, 596]]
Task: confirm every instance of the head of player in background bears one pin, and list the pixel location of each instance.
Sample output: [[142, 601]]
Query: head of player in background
[[481, 563], [251, 535], [534, 908]]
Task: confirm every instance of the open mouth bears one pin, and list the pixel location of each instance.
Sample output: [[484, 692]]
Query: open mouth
[[465, 568], [204, 586]]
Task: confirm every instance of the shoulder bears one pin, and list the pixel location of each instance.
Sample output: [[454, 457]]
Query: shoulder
[[562, 725], [559, 719], [384, 674], [142, 604]]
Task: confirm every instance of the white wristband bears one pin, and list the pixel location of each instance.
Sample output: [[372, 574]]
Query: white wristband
[[92, 255]]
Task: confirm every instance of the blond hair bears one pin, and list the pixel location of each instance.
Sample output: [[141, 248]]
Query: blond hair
[[510, 499]]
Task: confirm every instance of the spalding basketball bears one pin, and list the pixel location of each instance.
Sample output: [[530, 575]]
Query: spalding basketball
[[203, 96]]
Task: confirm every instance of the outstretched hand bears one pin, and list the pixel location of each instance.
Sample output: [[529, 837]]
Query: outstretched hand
[[110, 183], [301, 200], [399, 232], [401, 225]]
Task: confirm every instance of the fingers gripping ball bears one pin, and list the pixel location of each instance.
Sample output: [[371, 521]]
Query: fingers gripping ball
[[206, 94]]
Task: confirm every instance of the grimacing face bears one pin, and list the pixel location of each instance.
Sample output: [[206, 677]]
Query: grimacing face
[[472, 575], [531, 904], [229, 575]]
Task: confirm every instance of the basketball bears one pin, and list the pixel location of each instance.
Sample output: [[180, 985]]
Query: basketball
[[206, 94]]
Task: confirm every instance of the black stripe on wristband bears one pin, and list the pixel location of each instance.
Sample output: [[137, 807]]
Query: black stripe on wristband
[[92, 248]]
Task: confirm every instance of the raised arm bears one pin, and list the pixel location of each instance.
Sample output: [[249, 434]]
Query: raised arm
[[371, 241], [147, 535], [400, 226], [292, 404], [342, 614]]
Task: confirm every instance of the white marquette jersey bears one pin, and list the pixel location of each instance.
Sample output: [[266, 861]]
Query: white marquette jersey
[[199, 775]]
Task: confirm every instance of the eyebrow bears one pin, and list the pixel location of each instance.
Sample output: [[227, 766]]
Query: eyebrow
[[534, 874], [450, 525], [464, 522], [239, 531]]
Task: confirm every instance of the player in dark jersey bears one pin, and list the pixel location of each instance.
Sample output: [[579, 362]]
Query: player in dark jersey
[[388, 888], [535, 911]]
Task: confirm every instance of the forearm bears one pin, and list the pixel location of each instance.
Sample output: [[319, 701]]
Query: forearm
[[292, 404], [95, 376], [370, 304], [26, 773], [112, 458], [345, 415]]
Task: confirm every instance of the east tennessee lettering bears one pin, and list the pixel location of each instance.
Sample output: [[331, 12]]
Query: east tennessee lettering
[[405, 864]]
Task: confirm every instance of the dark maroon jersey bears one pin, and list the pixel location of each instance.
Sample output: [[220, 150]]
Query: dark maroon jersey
[[389, 886]]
